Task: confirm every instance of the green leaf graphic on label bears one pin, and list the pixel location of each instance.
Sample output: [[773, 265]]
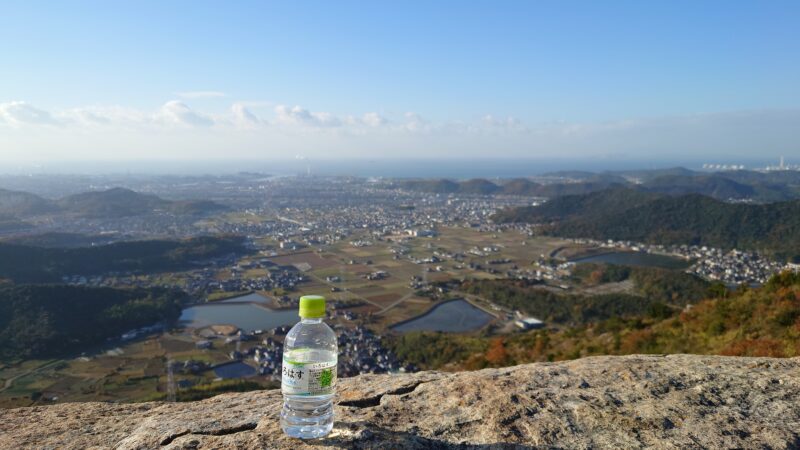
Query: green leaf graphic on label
[[325, 378]]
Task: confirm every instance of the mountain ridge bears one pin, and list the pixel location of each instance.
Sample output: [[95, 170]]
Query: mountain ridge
[[111, 203], [693, 219]]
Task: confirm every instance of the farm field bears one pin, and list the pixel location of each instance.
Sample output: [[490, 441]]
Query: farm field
[[379, 284], [136, 371], [351, 264]]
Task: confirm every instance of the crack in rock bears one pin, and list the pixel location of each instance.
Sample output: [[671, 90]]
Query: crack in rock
[[221, 432], [369, 402]]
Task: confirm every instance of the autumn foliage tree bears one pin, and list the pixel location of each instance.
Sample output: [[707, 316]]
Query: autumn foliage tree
[[497, 355]]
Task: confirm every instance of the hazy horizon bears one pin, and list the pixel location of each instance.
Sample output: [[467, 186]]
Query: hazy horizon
[[433, 167]]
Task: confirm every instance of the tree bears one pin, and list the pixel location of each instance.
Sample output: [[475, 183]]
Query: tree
[[497, 354]]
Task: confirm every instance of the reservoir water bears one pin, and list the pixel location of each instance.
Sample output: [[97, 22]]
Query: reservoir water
[[235, 369], [455, 316], [641, 259], [246, 316]]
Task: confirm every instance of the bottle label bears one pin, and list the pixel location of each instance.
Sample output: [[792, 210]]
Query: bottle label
[[299, 378]]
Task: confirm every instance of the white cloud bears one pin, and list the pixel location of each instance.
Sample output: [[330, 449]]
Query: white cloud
[[304, 117], [248, 129], [415, 122], [370, 119], [200, 94], [113, 117], [374, 119], [18, 113], [508, 122], [243, 117], [176, 112], [86, 117]]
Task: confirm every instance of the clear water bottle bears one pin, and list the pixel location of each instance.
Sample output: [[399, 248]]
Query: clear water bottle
[[308, 376]]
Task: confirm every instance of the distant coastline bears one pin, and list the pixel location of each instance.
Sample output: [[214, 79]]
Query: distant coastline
[[460, 168]]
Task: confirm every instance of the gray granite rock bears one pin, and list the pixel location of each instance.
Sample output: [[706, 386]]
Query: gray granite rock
[[678, 401]]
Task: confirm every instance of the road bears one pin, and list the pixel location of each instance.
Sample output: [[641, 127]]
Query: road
[[10, 382], [286, 219], [480, 303], [344, 289], [397, 302]]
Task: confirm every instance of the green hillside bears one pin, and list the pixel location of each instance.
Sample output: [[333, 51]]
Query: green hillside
[[111, 203], [676, 181], [195, 207], [31, 264], [595, 204], [654, 289], [719, 187], [17, 203], [518, 186], [624, 214], [479, 186], [51, 320], [434, 186], [121, 202], [116, 202]]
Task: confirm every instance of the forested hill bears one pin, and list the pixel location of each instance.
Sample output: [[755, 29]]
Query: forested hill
[[517, 186], [624, 214], [595, 204], [653, 291], [33, 264], [51, 320], [18, 203], [737, 185], [720, 187], [111, 203], [120, 202], [116, 202]]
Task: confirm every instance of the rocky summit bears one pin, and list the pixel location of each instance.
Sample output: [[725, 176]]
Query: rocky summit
[[676, 401]]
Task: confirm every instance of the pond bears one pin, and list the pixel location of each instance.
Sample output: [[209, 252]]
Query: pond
[[235, 369], [455, 316], [641, 259], [246, 316]]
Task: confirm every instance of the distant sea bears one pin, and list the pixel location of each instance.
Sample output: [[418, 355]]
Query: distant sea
[[388, 168]]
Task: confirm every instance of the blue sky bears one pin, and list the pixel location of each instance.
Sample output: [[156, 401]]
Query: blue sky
[[516, 79]]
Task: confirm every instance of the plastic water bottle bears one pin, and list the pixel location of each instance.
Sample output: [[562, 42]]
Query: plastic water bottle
[[308, 376]]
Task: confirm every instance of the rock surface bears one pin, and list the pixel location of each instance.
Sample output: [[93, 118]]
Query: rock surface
[[678, 401]]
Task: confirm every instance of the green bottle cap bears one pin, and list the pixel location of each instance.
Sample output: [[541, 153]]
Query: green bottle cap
[[312, 306]]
